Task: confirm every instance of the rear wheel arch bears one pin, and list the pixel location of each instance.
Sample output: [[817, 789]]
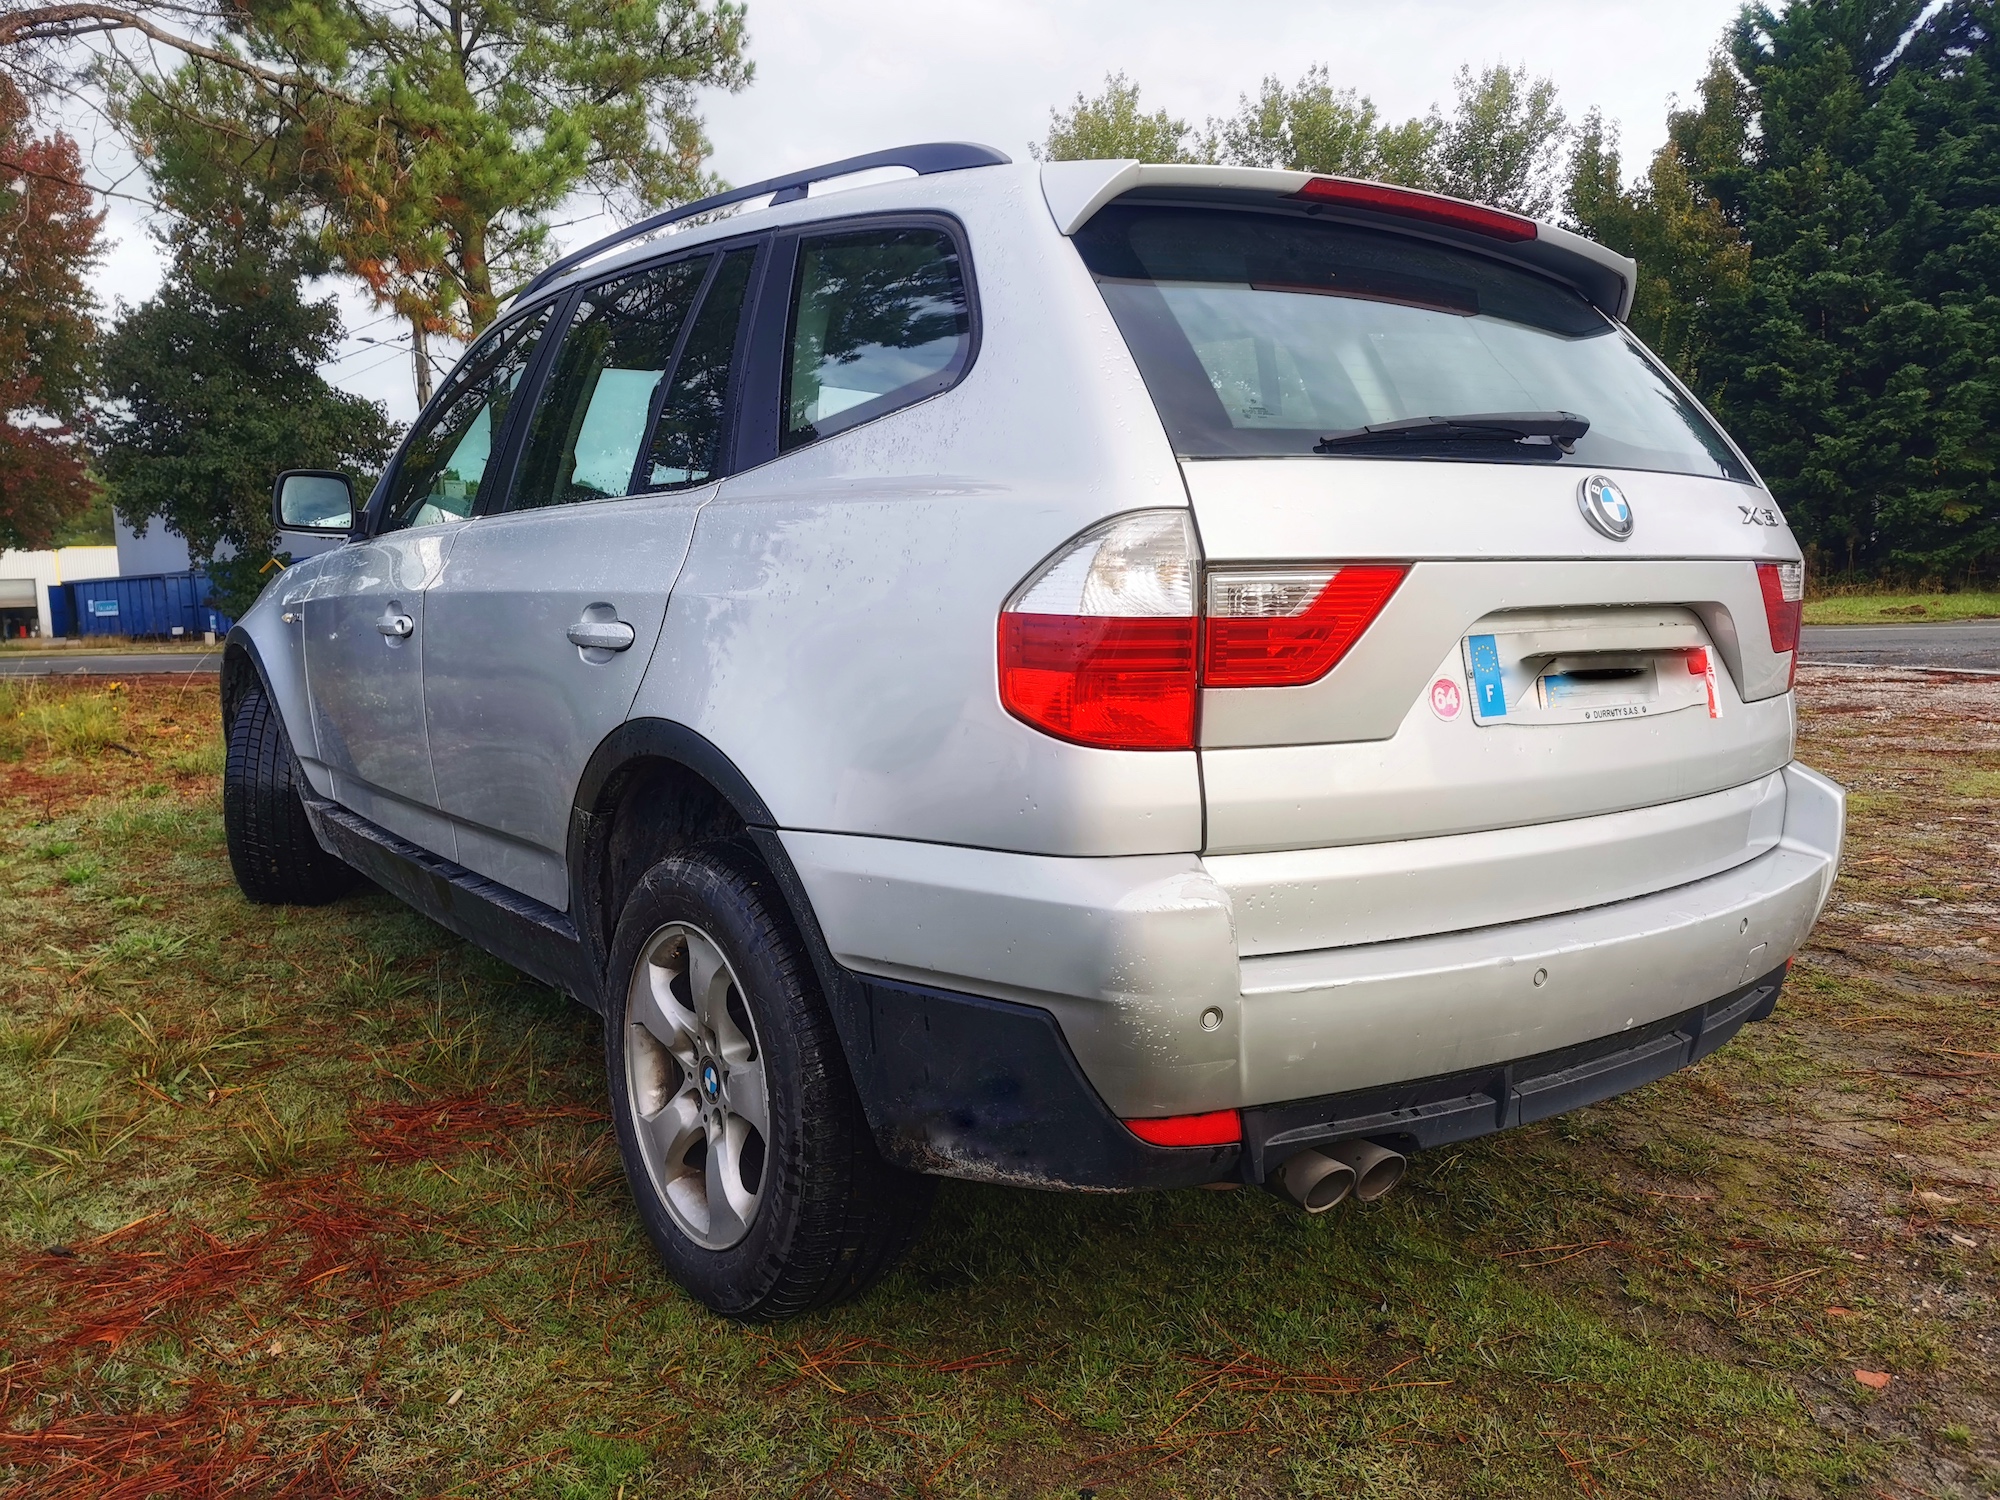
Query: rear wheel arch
[[653, 787]]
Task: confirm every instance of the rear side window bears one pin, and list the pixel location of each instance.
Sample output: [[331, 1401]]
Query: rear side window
[[606, 388], [880, 319], [1270, 334]]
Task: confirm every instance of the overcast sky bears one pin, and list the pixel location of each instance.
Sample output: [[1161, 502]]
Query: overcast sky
[[837, 80]]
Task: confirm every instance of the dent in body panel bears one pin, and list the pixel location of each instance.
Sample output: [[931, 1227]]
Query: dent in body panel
[[834, 629], [514, 708]]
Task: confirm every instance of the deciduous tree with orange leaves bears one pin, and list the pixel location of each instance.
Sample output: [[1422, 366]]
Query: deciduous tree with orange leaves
[[48, 234]]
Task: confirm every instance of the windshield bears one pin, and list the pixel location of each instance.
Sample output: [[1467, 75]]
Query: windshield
[[1266, 334]]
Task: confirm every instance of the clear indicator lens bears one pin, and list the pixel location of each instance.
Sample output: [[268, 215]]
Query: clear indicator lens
[[1133, 567], [1265, 596]]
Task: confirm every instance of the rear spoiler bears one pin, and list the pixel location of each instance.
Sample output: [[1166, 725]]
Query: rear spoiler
[[1075, 190]]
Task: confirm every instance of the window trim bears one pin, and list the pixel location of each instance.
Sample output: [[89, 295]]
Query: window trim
[[763, 427]]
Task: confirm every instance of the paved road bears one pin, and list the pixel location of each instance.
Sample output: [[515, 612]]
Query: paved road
[[1970, 643], [93, 664], [1966, 643]]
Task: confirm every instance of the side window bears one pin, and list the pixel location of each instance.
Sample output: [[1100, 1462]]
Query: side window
[[444, 460], [599, 403], [879, 319], [689, 434]]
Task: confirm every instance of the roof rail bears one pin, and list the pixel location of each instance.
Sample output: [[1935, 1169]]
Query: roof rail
[[932, 156]]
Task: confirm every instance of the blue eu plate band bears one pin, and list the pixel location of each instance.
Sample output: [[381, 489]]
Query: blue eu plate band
[[1488, 692]]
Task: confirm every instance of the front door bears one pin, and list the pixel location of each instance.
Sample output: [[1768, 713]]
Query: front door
[[364, 610], [545, 616]]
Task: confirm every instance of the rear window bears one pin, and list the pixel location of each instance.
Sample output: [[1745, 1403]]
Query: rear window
[[1267, 334]]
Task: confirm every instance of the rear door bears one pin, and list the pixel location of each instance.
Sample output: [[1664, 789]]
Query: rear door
[[544, 617], [363, 612], [1343, 396]]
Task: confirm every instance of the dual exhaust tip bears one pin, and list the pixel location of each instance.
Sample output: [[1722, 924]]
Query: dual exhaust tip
[[1319, 1180]]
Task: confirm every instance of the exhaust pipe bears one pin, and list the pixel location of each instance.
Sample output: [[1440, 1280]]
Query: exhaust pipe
[[1315, 1181], [1376, 1168]]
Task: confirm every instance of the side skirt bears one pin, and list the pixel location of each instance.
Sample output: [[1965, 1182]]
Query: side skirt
[[537, 939]]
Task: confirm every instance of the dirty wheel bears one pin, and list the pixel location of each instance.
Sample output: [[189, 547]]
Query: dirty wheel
[[743, 1140]]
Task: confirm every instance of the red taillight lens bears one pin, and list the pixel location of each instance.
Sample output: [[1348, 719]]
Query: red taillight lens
[[1784, 586], [1427, 207], [1124, 684], [1271, 629], [1224, 1127]]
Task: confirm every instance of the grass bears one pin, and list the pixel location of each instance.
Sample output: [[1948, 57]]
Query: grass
[[324, 1202], [1900, 609]]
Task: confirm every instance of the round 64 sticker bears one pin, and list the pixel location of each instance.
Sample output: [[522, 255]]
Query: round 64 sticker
[[1447, 698]]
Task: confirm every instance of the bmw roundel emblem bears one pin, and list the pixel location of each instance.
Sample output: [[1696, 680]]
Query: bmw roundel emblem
[[1604, 505]]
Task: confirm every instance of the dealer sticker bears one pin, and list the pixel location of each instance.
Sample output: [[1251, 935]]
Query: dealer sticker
[[1447, 699]]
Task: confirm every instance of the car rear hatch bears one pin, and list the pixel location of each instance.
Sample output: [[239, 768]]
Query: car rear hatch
[[1562, 678]]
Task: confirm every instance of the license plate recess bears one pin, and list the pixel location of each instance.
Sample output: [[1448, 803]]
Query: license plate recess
[[1538, 667]]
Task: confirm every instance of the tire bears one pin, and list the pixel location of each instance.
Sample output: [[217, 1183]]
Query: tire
[[277, 860], [826, 1216]]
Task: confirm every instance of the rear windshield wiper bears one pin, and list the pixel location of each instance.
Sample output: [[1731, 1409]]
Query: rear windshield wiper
[[1562, 428]]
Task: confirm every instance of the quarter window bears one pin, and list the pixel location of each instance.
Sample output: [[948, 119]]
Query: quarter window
[[590, 427], [879, 319], [687, 442], [446, 458]]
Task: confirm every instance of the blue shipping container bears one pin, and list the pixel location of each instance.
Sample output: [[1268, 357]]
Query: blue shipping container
[[152, 604]]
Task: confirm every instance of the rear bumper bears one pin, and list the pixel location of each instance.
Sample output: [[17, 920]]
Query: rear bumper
[[1137, 963], [988, 1090]]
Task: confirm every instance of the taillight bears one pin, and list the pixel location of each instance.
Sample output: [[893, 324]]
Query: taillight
[[1098, 646], [1102, 645], [1784, 586], [1283, 627], [1429, 208]]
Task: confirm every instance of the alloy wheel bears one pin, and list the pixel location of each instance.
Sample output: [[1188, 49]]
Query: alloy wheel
[[695, 1077]]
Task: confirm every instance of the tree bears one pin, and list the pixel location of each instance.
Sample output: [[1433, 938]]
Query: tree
[[1111, 127], [213, 387], [1505, 143], [1863, 168], [427, 145], [1694, 268], [1312, 127], [48, 236]]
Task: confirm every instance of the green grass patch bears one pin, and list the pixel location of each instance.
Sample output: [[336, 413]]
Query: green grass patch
[[1900, 609], [325, 1201]]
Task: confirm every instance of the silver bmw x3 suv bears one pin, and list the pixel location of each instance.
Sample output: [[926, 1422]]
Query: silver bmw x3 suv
[[1088, 675]]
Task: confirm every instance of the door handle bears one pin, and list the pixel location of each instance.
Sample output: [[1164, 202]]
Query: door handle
[[601, 635], [402, 627]]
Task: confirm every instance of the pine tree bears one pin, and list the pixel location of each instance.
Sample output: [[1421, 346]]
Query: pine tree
[[1865, 370]]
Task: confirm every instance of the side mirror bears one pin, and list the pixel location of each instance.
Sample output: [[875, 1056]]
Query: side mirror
[[313, 500]]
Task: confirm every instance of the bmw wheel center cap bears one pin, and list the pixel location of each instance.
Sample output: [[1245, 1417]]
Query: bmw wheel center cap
[[1604, 505], [711, 1081]]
